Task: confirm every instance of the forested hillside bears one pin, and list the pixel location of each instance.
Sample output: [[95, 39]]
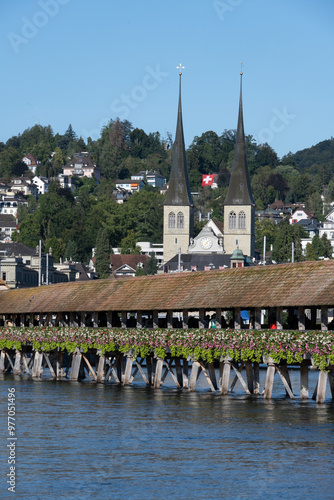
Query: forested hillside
[[69, 222]]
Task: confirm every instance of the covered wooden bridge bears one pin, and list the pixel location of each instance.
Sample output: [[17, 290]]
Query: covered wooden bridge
[[305, 291]]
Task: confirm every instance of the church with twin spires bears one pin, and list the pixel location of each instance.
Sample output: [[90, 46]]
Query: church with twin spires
[[217, 246]]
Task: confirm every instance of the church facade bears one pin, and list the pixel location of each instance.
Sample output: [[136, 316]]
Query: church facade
[[238, 232]]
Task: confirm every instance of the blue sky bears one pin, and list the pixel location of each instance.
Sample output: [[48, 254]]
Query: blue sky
[[84, 62]]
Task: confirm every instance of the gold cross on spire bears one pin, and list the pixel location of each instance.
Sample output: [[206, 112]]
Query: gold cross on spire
[[242, 65], [180, 68]]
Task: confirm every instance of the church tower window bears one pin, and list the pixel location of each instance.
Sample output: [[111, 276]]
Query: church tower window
[[180, 220], [171, 220], [242, 220], [232, 222]]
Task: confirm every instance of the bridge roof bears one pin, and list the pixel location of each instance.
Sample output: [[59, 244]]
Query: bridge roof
[[301, 284]]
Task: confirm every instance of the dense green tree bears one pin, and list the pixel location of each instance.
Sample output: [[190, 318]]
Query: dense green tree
[[102, 254], [151, 265], [286, 235], [267, 228], [129, 243]]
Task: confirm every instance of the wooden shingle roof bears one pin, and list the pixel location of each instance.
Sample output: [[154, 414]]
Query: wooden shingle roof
[[286, 285]]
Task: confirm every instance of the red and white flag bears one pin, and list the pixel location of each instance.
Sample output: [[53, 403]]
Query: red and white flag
[[207, 180]]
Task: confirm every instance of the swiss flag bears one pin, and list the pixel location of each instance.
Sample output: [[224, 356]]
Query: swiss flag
[[207, 180]]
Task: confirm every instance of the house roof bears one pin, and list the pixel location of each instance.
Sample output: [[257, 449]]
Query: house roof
[[17, 249], [284, 285], [131, 260], [239, 191], [179, 189]]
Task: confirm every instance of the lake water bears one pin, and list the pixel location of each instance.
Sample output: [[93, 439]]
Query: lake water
[[80, 440]]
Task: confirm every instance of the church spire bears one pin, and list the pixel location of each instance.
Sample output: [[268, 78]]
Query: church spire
[[239, 191], [178, 192]]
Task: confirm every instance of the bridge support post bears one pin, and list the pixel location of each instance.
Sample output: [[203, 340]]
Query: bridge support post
[[185, 319], [169, 319], [155, 319], [268, 388], [76, 365], [237, 318], [212, 375], [195, 372], [279, 321], [59, 363], [37, 366], [324, 318], [123, 319], [250, 377], [301, 318], [2, 361], [313, 317], [109, 319], [101, 368], [201, 314], [256, 379], [257, 318], [17, 365], [225, 367], [304, 394], [218, 317], [185, 369], [158, 372], [178, 371], [321, 387], [127, 370]]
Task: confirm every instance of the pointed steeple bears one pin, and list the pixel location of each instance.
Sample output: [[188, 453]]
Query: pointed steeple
[[178, 192], [239, 191]]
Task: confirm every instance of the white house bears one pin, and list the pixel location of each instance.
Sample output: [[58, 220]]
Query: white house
[[42, 184], [31, 162], [300, 214], [153, 179], [129, 185]]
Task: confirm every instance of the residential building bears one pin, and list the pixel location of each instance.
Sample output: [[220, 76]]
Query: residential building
[[153, 179], [9, 204], [65, 181], [148, 248], [300, 214], [31, 161], [7, 226], [82, 166], [129, 185], [42, 184], [24, 186]]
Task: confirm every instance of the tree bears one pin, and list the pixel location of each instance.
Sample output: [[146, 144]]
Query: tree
[[151, 265], [19, 168], [286, 235], [71, 252], [57, 247], [328, 249], [267, 228], [129, 243], [102, 254]]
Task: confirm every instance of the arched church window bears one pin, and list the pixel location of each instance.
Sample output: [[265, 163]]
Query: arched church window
[[232, 221], [171, 220], [180, 220], [242, 220]]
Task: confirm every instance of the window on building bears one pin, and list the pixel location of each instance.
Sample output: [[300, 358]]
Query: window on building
[[180, 220], [232, 222], [171, 220], [242, 220], [4, 276]]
